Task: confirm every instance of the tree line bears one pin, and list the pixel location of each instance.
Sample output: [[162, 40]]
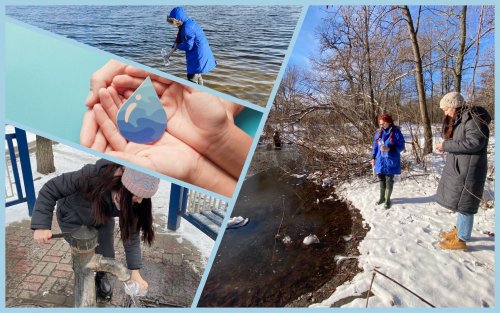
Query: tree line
[[375, 59]]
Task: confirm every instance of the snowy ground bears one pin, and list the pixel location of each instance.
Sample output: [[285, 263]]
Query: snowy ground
[[68, 159], [402, 243]]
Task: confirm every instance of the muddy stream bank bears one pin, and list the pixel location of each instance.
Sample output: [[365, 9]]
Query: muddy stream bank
[[257, 267]]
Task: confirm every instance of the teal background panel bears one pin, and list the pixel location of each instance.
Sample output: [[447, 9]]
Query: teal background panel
[[248, 120], [47, 81]]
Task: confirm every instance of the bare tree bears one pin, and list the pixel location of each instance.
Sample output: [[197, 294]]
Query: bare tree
[[371, 59], [44, 156], [419, 78], [461, 50]]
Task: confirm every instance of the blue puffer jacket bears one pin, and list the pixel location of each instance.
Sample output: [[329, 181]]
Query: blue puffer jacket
[[199, 56], [388, 162]]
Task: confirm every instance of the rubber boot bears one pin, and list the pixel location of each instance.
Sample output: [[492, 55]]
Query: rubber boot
[[388, 193], [382, 196], [103, 286]]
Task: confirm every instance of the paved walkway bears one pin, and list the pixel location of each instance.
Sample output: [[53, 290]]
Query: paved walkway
[[42, 276]]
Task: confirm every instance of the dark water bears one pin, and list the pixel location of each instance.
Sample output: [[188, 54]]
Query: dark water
[[266, 157], [253, 268], [249, 42]]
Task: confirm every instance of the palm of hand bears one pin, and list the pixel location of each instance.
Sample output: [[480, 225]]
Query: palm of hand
[[168, 155], [197, 118]]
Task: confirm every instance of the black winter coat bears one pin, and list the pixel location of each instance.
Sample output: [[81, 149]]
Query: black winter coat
[[73, 210], [462, 183]]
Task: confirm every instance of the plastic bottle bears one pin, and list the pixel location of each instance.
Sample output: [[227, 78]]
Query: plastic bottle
[[166, 56], [132, 288], [383, 154]]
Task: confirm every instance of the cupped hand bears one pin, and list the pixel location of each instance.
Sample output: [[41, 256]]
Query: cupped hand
[[203, 121], [102, 78], [195, 117], [168, 155]]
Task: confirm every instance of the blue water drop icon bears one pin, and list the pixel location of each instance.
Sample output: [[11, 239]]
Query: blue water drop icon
[[141, 118]]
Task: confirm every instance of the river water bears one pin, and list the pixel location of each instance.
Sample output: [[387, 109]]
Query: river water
[[249, 42], [253, 266]]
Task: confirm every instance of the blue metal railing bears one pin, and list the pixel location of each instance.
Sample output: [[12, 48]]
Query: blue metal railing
[[24, 160], [208, 220]]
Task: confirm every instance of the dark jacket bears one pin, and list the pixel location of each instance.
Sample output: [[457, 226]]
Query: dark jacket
[[192, 39], [74, 210], [388, 162], [462, 183]]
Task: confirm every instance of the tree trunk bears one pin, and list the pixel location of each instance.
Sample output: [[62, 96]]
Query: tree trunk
[[419, 79], [44, 156], [461, 50], [369, 60]]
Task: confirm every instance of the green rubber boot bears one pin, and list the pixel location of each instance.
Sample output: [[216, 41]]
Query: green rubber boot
[[382, 196], [388, 193]]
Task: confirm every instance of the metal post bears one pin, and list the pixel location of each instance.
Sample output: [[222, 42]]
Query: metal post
[[184, 200], [176, 205], [15, 171], [24, 157]]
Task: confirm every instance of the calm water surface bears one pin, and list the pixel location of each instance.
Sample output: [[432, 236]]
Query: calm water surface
[[249, 42], [253, 267]]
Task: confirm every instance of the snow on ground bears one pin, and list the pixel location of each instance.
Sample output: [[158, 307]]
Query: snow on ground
[[30, 137], [68, 159], [402, 243]]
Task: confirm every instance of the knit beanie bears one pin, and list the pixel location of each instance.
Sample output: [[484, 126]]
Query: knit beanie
[[140, 184], [452, 100]]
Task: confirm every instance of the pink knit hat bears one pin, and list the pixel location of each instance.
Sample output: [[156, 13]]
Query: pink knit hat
[[140, 184]]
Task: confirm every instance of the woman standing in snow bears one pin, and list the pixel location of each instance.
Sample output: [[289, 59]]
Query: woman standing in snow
[[388, 143], [466, 134], [94, 196]]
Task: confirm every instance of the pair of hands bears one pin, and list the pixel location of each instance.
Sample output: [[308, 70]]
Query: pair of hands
[[42, 236], [201, 144]]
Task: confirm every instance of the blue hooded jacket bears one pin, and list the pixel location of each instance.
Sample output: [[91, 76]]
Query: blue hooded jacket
[[388, 162], [199, 56]]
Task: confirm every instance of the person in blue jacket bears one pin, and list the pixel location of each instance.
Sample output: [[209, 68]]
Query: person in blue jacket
[[192, 39], [388, 143]]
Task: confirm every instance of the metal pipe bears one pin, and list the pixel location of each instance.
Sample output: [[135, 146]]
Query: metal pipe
[[84, 278], [103, 264]]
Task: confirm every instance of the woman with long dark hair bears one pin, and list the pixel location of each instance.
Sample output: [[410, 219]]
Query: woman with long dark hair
[[388, 143], [466, 134], [94, 196]]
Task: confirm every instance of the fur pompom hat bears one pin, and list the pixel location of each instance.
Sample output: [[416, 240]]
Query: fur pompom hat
[[452, 100], [140, 184]]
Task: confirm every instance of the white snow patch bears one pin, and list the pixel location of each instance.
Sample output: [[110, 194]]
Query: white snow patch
[[402, 243]]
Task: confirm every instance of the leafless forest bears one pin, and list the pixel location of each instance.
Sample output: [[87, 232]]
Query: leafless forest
[[374, 59]]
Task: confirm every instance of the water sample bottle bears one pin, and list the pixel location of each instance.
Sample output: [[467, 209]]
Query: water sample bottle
[[166, 56], [133, 289]]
